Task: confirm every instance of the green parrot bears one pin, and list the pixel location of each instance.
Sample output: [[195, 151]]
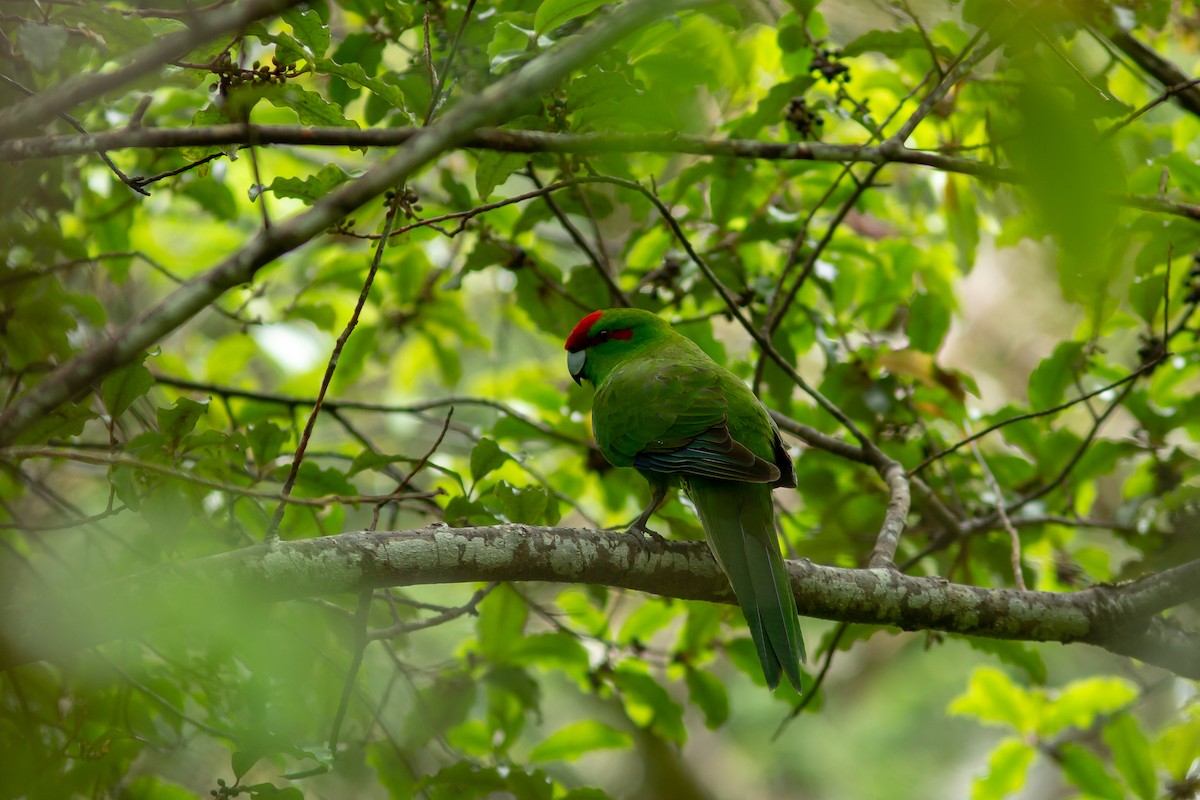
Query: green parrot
[[667, 409]]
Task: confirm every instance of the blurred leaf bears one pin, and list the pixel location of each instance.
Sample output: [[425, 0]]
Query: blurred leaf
[[486, 457], [1131, 755], [1049, 381], [242, 761], [1071, 172], [266, 440], [1085, 769], [992, 697], [577, 739], [708, 694], [494, 168], [501, 623], [179, 420], [124, 386], [551, 651], [41, 44], [315, 481], [1079, 703], [928, 322], [1007, 767], [312, 188], [891, 43], [553, 13], [646, 620], [647, 703]]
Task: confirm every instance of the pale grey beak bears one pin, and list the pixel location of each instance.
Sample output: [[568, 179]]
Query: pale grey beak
[[575, 361]]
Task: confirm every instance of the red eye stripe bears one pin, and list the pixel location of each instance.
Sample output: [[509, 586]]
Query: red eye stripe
[[582, 338], [578, 339]]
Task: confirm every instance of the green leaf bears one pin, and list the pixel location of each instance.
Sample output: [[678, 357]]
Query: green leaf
[[124, 386], [309, 29], [1078, 704], [313, 481], [551, 651], [553, 13], [1049, 381], [310, 107], [582, 611], [177, 421], [460, 511], [928, 322], [1146, 295], [527, 505], [62, 423], [466, 781], [1131, 755], [891, 43], [269, 791], [1176, 749], [647, 619], [493, 169], [708, 694], [702, 626], [1071, 172], [1007, 767], [501, 622], [586, 793], [992, 697], [1085, 769], [312, 188], [41, 44], [647, 702], [577, 739], [148, 787], [370, 460], [242, 761], [124, 483], [266, 440], [485, 458]]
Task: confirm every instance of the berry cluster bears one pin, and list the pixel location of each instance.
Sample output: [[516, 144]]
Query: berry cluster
[[804, 119], [828, 63], [232, 76]]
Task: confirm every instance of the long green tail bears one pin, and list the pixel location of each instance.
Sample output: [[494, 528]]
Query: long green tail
[[740, 522]]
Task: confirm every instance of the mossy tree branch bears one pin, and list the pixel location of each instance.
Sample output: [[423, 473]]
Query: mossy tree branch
[[1121, 618]]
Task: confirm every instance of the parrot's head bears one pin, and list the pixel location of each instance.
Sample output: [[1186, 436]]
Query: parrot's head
[[603, 339]]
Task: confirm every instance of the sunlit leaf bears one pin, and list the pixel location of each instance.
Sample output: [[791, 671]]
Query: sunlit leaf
[[578, 738]]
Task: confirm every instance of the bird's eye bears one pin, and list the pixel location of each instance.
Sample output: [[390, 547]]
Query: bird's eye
[[603, 336]]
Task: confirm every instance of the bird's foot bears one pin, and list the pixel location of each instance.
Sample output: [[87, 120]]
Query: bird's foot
[[639, 530]]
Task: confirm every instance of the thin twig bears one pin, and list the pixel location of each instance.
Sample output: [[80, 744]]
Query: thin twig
[[102, 458], [294, 401], [444, 616], [1142, 370], [1166, 95], [1014, 537], [435, 101], [132, 183], [818, 682], [601, 267], [361, 640], [302, 445]]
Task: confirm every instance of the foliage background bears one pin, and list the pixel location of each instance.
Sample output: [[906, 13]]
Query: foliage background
[[942, 216]]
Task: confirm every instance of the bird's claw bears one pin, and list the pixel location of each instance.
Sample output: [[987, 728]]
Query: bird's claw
[[644, 534]]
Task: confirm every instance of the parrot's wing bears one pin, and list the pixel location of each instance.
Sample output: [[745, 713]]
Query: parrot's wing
[[711, 454], [679, 426]]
